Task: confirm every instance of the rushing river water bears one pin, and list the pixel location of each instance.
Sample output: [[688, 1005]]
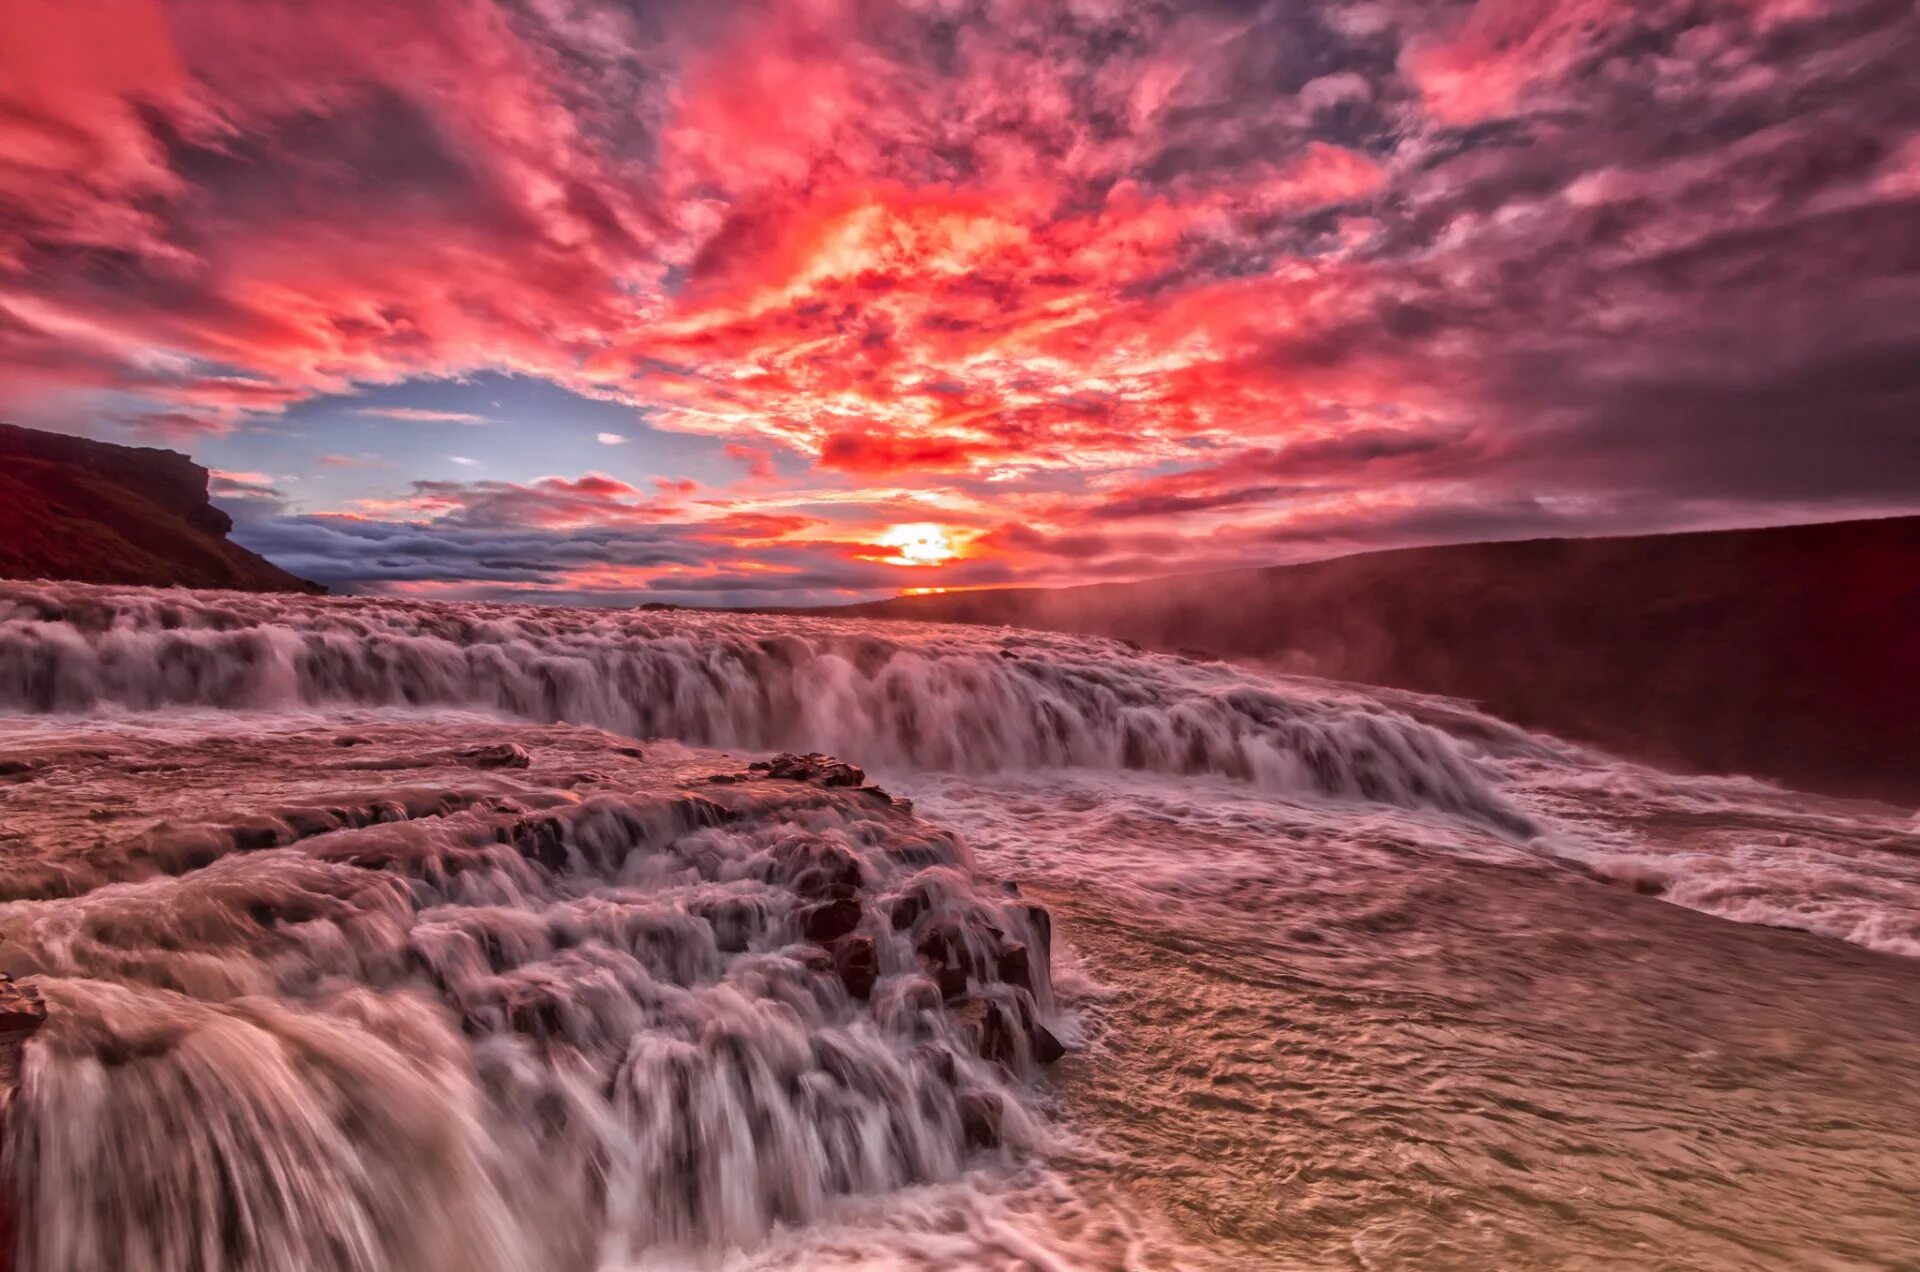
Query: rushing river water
[[338, 978]]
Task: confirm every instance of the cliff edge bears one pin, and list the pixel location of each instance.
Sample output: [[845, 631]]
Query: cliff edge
[[96, 512]]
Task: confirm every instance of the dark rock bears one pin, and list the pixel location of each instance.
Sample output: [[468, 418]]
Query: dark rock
[[836, 876], [735, 921], [307, 822], [504, 755], [830, 920], [251, 834], [351, 739], [534, 1017], [814, 868], [21, 1015], [631, 752], [939, 1062], [858, 965], [820, 770], [1000, 1042], [946, 958], [1046, 1047], [541, 839], [907, 908], [1015, 967], [980, 1114]]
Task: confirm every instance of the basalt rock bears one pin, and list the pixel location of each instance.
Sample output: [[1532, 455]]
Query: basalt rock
[[945, 955], [907, 908], [830, 920], [1015, 967], [21, 1015], [980, 1114], [820, 770], [857, 964], [504, 755]]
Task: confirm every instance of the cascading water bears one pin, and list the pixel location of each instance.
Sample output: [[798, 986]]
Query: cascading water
[[931, 698], [506, 1017], [388, 935]]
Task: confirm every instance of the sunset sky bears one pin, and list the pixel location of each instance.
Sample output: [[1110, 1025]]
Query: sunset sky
[[789, 303]]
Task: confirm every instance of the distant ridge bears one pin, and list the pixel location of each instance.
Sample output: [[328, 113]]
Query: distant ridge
[[95, 512], [1791, 652]]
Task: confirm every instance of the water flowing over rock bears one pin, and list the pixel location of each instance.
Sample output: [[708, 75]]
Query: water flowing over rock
[[364, 947], [21, 1015], [926, 697], [533, 1015]]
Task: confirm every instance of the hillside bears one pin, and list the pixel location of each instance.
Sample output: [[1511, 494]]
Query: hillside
[[95, 512], [1791, 653]]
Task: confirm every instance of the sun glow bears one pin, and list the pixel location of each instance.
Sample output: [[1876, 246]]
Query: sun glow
[[918, 543]]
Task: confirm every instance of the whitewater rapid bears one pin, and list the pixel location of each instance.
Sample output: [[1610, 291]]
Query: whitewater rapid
[[1318, 956]]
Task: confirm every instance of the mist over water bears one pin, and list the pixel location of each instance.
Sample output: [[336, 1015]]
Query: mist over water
[[1345, 978]]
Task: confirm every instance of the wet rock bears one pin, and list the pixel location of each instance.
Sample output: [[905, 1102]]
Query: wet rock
[[942, 948], [351, 739], [735, 921], [857, 964], [541, 839], [907, 908], [504, 755], [17, 768], [991, 1029], [251, 834], [1015, 967], [815, 869], [631, 752], [834, 873], [21, 1015], [1046, 1047], [534, 1017], [980, 1115], [830, 920], [820, 770], [307, 822]]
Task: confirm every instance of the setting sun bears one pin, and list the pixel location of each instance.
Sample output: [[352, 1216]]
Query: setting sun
[[918, 543]]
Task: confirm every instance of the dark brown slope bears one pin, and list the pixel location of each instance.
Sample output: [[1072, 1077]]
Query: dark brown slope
[[1792, 653], [94, 512]]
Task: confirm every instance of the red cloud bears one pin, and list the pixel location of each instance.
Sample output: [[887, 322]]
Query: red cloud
[[869, 452], [1099, 264]]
